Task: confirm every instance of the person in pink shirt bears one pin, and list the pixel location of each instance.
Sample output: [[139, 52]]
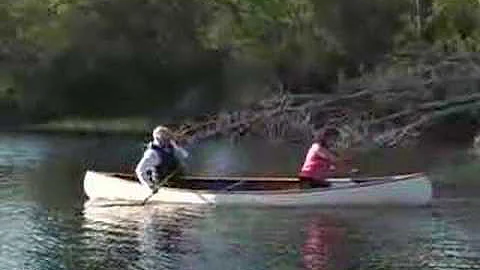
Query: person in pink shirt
[[320, 162]]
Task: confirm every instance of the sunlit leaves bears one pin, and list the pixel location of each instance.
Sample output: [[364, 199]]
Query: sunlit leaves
[[455, 25]]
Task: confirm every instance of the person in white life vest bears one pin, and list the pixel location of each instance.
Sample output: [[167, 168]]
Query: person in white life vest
[[162, 158]]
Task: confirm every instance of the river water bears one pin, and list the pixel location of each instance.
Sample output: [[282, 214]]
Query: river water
[[44, 224]]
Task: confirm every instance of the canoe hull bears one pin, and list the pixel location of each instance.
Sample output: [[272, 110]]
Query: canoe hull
[[411, 190]]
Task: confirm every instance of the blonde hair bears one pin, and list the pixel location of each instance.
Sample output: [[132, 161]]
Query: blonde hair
[[162, 133]]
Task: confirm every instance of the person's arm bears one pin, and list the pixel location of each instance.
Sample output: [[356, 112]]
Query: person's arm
[[343, 163], [326, 154], [146, 167]]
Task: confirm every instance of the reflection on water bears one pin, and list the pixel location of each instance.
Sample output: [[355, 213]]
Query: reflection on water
[[203, 237], [149, 237], [44, 224], [455, 236], [323, 247]]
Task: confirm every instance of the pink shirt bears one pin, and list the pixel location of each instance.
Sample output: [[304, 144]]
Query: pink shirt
[[319, 163]]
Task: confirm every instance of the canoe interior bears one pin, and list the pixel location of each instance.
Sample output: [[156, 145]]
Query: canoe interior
[[219, 183]]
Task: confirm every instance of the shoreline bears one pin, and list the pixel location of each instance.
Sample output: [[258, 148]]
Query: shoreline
[[114, 126], [283, 119], [129, 126]]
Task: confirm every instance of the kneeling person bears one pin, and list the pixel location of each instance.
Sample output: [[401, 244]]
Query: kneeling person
[[161, 160], [320, 161]]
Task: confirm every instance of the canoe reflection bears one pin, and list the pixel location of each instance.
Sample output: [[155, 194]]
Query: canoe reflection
[[156, 236]]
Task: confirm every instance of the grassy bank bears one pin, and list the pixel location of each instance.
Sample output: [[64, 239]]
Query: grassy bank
[[105, 126]]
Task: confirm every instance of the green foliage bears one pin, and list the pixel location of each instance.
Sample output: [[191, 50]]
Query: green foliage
[[306, 42], [127, 57], [124, 57], [455, 25]]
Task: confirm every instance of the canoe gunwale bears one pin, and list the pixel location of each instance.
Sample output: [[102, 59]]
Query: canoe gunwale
[[366, 182], [353, 185]]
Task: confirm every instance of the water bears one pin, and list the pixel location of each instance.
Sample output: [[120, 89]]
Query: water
[[43, 224]]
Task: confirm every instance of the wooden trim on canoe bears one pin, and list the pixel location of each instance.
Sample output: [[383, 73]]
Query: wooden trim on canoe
[[355, 183], [241, 178], [127, 176]]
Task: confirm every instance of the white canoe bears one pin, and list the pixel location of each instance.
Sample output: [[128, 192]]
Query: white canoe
[[408, 189]]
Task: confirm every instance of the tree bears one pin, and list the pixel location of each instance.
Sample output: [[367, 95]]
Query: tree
[[454, 25]]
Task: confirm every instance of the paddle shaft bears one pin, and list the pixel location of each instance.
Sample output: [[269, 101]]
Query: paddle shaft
[[163, 182]]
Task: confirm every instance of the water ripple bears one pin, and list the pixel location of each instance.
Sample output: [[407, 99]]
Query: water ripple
[[153, 237], [41, 227]]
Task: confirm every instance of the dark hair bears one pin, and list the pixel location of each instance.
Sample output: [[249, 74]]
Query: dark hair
[[323, 136]]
